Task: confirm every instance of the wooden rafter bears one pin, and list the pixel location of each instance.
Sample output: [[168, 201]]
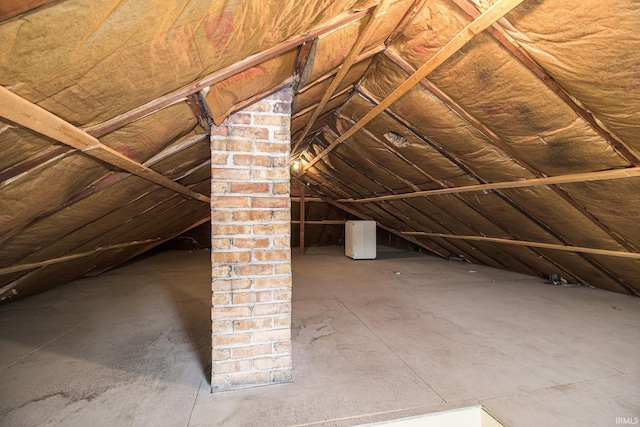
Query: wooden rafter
[[552, 180], [486, 19], [213, 78], [498, 33], [541, 245], [363, 38], [200, 110], [11, 8], [31, 116], [29, 266]]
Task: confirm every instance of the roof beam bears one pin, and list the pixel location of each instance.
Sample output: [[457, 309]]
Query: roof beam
[[363, 38], [486, 19], [11, 8], [541, 245], [29, 266], [497, 32], [213, 78], [552, 180], [31, 116]]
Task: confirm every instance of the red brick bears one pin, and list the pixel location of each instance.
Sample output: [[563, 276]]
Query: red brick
[[219, 131], [226, 173], [284, 320], [272, 362], [244, 297], [219, 216], [231, 284], [249, 133], [282, 347], [271, 202], [239, 119], [220, 340], [249, 187], [251, 351], [219, 159], [271, 229], [220, 354], [272, 282], [254, 270], [282, 376], [251, 160], [231, 201], [250, 243], [220, 243], [219, 187], [282, 108], [280, 147], [222, 326], [271, 174], [272, 335], [230, 257], [245, 378], [281, 188], [271, 120], [251, 215], [282, 134], [230, 312], [281, 242], [276, 308], [220, 271], [282, 295], [284, 268], [272, 255], [221, 298], [282, 215], [261, 323], [230, 145], [231, 366], [229, 229], [261, 106], [264, 296]]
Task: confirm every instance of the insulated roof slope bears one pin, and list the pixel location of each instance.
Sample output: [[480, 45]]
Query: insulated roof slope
[[515, 146]]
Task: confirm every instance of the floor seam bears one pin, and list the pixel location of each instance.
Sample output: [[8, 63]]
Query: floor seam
[[390, 349], [195, 399], [44, 345]]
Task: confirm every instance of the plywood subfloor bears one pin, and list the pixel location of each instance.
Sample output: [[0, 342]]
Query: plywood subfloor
[[399, 336]]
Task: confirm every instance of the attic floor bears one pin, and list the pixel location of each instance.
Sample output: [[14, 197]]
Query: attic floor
[[129, 347]]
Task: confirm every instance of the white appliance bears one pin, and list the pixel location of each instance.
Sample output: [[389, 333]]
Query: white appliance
[[360, 239]]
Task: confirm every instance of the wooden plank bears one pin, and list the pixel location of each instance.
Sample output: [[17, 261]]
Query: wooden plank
[[498, 33], [552, 180], [200, 109], [11, 8], [303, 207], [213, 78], [487, 18], [363, 38], [307, 199], [23, 267], [541, 245], [31, 116]]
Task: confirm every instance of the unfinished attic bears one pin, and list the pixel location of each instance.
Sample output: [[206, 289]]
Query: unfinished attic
[[503, 134]]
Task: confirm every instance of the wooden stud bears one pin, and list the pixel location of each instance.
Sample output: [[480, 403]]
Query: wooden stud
[[303, 190]]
